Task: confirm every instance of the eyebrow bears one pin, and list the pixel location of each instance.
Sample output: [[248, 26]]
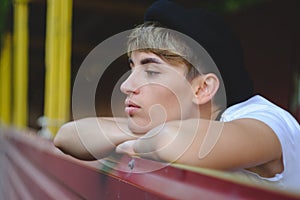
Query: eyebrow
[[145, 61]]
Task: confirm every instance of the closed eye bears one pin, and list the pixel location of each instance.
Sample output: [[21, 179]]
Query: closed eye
[[151, 73]]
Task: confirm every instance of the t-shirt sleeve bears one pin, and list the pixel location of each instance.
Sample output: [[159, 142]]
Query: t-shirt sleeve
[[282, 123]]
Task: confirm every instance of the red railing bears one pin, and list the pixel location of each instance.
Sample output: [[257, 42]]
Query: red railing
[[32, 168]]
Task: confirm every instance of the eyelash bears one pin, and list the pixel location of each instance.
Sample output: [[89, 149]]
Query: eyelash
[[151, 73]]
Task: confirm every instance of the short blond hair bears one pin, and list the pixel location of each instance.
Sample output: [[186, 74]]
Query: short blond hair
[[163, 42]]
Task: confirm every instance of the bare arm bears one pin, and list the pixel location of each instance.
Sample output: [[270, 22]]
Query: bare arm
[[92, 138], [242, 143]]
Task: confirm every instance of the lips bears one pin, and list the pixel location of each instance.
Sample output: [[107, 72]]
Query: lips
[[131, 107]]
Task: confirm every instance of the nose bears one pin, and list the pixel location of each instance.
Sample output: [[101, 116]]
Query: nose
[[130, 85]]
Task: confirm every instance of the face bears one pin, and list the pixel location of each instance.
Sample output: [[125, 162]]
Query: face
[[156, 92]]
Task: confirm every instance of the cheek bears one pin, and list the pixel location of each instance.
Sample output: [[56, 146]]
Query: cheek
[[166, 103], [159, 105], [177, 103]]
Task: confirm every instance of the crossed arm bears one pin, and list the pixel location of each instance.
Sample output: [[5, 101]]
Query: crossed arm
[[243, 143], [92, 138]]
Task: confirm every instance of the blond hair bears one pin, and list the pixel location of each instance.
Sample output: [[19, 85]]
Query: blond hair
[[163, 42]]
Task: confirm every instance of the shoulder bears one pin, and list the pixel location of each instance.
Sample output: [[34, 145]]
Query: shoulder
[[281, 123], [254, 104], [265, 111]]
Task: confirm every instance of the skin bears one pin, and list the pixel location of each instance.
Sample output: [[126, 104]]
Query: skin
[[165, 123], [156, 92]]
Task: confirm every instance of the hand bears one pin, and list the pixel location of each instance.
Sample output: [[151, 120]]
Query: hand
[[152, 144], [167, 142], [127, 148]]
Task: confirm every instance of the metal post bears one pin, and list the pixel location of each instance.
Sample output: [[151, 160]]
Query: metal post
[[20, 62], [5, 81], [58, 52]]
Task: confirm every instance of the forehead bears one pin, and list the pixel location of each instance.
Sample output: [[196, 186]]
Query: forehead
[[145, 57], [137, 56]]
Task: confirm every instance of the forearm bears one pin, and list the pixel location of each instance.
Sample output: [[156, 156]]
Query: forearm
[[184, 142], [92, 138], [172, 142], [239, 144]]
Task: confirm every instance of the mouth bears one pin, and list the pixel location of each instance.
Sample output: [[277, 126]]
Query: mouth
[[131, 107]]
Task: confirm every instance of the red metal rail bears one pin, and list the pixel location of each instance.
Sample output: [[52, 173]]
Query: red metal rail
[[32, 168]]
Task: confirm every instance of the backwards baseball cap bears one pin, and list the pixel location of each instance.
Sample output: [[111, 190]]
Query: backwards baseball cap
[[215, 36]]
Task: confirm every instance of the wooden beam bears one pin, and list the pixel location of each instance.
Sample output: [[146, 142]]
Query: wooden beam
[[48, 173]]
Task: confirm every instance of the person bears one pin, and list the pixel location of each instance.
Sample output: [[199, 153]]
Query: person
[[192, 106]]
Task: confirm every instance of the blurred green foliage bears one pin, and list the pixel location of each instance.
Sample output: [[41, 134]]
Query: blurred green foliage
[[4, 7], [230, 6]]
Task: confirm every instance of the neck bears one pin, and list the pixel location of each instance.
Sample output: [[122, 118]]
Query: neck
[[210, 111]]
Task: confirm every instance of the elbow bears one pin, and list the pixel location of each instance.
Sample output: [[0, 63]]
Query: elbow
[[64, 135], [65, 139], [69, 142], [58, 140]]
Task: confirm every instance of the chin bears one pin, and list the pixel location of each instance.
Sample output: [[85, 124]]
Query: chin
[[138, 127]]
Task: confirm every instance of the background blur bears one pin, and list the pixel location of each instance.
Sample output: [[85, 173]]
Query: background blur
[[269, 31]]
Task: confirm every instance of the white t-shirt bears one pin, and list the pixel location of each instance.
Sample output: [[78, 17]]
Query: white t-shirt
[[287, 130]]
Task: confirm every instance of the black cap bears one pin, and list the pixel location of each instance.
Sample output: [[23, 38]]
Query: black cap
[[215, 36]]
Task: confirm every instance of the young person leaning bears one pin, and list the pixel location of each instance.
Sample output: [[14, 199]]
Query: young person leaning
[[175, 104]]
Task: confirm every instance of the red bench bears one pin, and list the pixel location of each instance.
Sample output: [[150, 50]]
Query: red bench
[[32, 168]]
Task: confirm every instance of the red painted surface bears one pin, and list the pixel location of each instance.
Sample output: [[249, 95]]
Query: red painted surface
[[32, 168]]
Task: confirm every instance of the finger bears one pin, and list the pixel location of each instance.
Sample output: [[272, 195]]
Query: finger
[[126, 148]]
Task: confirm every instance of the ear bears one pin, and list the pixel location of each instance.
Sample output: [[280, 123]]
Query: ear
[[205, 87]]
